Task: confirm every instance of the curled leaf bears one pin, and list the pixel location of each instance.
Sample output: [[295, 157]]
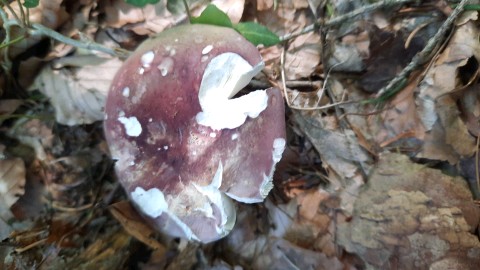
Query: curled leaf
[[31, 3], [257, 34], [137, 3], [214, 16]]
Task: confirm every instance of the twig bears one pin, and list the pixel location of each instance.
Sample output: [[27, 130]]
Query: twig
[[187, 9], [7, 24], [290, 84], [5, 4], [423, 56], [342, 18], [477, 172], [22, 13], [40, 29]]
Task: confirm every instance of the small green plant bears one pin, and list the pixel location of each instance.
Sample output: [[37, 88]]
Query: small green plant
[[141, 3], [253, 32], [30, 3]]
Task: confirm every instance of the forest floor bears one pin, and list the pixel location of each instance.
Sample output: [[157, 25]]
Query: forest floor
[[380, 169]]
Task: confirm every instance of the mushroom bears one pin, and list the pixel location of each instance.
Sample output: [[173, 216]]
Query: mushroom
[[184, 144]]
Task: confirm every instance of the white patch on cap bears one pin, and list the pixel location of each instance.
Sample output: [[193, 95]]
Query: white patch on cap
[[165, 66], [217, 198], [267, 183], [278, 148], [151, 202], [266, 186], [207, 49], [147, 59], [225, 75], [126, 92], [234, 136], [213, 134], [133, 128]]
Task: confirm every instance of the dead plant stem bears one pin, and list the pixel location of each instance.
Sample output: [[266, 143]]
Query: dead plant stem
[[477, 171], [424, 55], [342, 18]]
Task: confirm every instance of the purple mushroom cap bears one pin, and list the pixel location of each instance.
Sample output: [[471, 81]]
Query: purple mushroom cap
[[184, 145]]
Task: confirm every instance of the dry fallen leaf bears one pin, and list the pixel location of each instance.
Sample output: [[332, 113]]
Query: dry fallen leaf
[[148, 20], [12, 185], [78, 94], [12, 180], [303, 56], [438, 109], [233, 8]]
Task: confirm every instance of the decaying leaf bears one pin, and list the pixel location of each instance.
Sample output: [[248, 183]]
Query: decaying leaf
[[78, 94], [12, 180], [411, 216], [434, 103], [303, 56], [233, 8], [12, 185], [283, 255]]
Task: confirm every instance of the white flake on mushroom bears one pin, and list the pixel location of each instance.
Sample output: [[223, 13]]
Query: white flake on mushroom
[[207, 49], [224, 77], [126, 92], [278, 148], [267, 184], [152, 203], [147, 59], [165, 66], [217, 198], [133, 128]]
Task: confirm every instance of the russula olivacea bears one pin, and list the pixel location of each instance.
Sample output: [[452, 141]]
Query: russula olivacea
[[184, 146]]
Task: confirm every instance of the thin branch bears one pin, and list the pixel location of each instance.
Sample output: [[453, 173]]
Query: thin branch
[[424, 55], [22, 13], [342, 18], [5, 4], [40, 29], [187, 9], [477, 172]]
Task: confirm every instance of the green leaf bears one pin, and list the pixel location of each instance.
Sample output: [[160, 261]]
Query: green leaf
[[141, 3], [257, 34], [30, 3], [214, 16]]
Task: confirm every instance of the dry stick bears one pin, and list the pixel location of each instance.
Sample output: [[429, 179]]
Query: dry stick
[[92, 46], [38, 29], [477, 172], [342, 18], [423, 56]]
